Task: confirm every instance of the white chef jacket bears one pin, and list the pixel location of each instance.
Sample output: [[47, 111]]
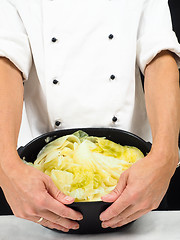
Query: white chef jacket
[[80, 60]]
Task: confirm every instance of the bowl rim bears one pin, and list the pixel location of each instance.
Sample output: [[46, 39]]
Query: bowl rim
[[84, 129]]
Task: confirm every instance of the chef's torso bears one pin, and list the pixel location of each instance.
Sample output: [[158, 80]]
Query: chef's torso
[[85, 68]]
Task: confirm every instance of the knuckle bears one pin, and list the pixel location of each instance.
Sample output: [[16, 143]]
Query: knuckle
[[133, 196], [61, 228], [34, 211], [52, 225], [69, 225], [31, 212], [69, 213], [114, 211], [26, 212], [63, 212], [64, 229], [45, 222], [145, 205], [49, 225], [116, 191], [59, 194], [41, 201], [58, 219], [128, 219]]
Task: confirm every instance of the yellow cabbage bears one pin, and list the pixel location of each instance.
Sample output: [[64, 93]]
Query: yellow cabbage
[[85, 167]]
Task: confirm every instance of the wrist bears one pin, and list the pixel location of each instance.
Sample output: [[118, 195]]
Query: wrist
[[9, 161], [166, 154], [166, 145]]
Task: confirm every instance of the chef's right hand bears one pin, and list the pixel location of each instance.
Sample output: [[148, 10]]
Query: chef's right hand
[[32, 195]]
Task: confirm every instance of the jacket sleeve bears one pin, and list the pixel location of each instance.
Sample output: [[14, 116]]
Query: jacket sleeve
[[14, 42], [155, 33]]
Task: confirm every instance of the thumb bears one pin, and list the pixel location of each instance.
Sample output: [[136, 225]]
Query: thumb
[[57, 194], [116, 192]]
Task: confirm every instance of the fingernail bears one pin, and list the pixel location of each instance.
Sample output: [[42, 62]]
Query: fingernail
[[75, 227], [109, 196], [102, 218], [80, 218], [104, 225], [115, 226], [69, 198]]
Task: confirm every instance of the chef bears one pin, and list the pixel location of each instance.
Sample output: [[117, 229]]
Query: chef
[[77, 64]]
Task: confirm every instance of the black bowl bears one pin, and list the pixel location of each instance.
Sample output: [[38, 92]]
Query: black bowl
[[90, 210]]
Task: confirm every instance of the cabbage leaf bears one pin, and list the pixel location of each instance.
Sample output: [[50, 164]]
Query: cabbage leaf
[[85, 167]]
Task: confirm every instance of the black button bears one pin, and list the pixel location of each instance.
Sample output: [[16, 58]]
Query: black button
[[114, 119], [112, 77], [54, 39], [111, 36], [55, 81], [57, 123]]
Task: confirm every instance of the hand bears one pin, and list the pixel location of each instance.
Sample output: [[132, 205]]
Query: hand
[[32, 194], [140, 189]]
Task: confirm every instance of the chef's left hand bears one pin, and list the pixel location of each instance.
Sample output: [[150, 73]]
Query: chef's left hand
[[140, 189]]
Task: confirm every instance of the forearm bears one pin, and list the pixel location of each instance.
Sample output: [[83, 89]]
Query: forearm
[[162, 95], [11, 102]]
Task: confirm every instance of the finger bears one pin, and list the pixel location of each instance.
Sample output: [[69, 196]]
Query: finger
[[58, 220], [56, 193], [60, 209], [123, 202], [52, 225], [117, 191], [131, 218], [124, 214]]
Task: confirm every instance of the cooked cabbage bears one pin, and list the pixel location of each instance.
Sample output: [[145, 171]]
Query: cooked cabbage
[[85, 167]]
